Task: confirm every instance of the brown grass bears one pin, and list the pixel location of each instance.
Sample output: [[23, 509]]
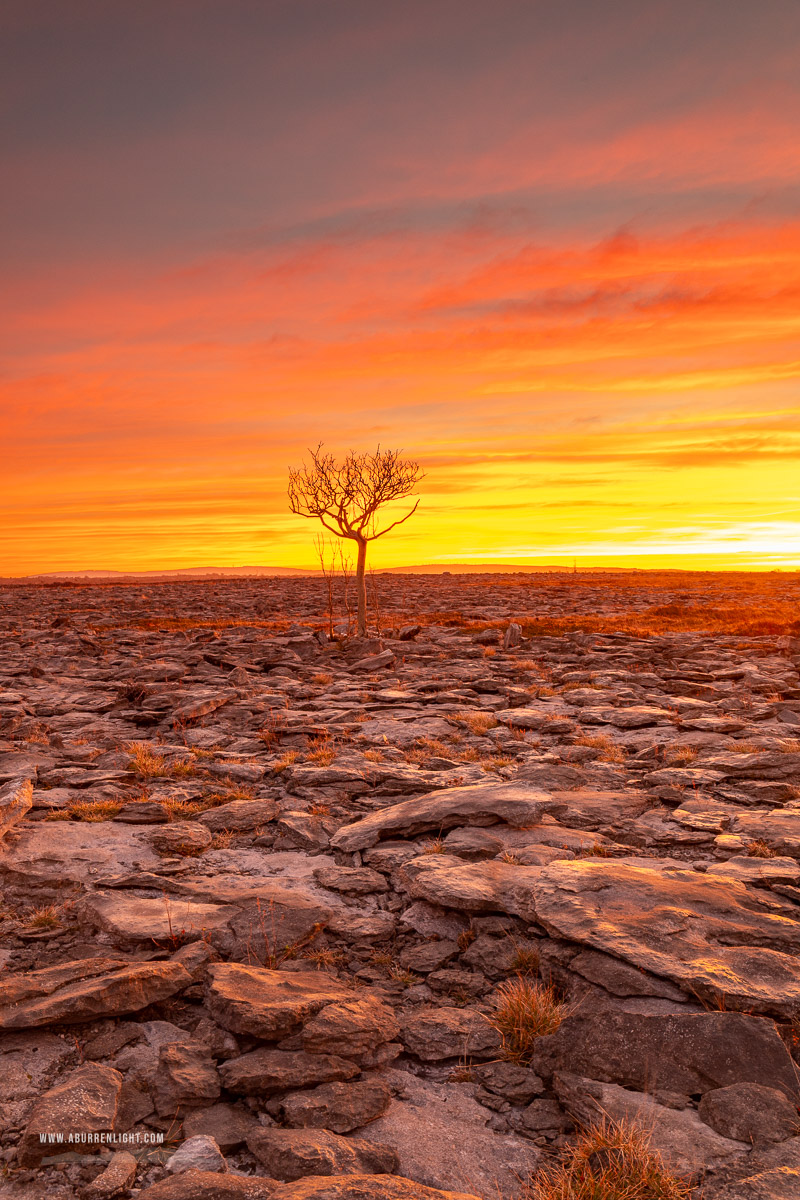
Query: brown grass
[[608, 749], [525, 961], [149, 764], [45, 917], [611, 1160], [598, 850], [434, 846], [682, 755], [760, 849], [222, 840], [477, 722], [524, 1011], [321, 751], [92, 810]]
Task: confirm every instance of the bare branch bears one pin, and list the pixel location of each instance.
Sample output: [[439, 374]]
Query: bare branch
[[399, 521]]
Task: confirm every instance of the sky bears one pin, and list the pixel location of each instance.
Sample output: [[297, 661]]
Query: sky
[[549, 250]]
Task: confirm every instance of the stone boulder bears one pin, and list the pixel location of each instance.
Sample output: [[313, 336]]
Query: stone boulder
[[186, 1078], [481, 804], [433, 1034], [84, 1104], [184, 837], [712, 936], [269, 1004], [289, 1154], [340, 1107], [85, 990], [351, 1028], [670, 1053], [750, 1112], [16, 797], [473, 887], [265, 1071]]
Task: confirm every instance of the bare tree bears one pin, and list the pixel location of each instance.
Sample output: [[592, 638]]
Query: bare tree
[[347, 496]]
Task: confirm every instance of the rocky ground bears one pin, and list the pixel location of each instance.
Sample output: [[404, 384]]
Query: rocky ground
[[269, 897]]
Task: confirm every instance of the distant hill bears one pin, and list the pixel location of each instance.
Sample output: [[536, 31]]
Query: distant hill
[[177, 573], [267, 572]]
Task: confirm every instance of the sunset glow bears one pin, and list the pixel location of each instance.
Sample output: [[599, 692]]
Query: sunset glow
[[552, 252]]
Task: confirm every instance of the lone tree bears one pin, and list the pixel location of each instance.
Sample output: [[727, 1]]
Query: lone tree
[[347, 496]]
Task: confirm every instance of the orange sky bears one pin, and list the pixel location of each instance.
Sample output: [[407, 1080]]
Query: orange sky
[[552, 252]]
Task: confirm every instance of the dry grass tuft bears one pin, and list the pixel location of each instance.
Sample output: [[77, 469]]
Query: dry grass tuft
[[611, 1160], [45, 917], [286, 760], [376, 756], [744, 747], [93, 810], [524, 1011], [434, 846], [149, 764], [598, 850], [477, 722], [681, 756], [321, 751], [525, 961], [182, 810], [222, 840], [760, 849], [608, 749]]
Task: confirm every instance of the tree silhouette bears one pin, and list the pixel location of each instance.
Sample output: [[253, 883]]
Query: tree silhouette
[[347, 496]]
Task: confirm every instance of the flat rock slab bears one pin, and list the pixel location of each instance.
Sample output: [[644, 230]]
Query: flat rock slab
[[780, 829], [635, 717], [265, 1071], [474, 887], [76, 852], [85, 990], [591, 808], [442, 1139], [210, 1185], [389, 731], [16, 798], [265, 918], [134, 919], [290, 1154], [346, 1187], [84, 1103], [481, 804], [765, 871], [240, 815], [681, 1054], [269, 1004], [712, 936]]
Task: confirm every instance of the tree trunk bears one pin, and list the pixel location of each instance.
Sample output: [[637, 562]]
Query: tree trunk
[[361, 586]]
